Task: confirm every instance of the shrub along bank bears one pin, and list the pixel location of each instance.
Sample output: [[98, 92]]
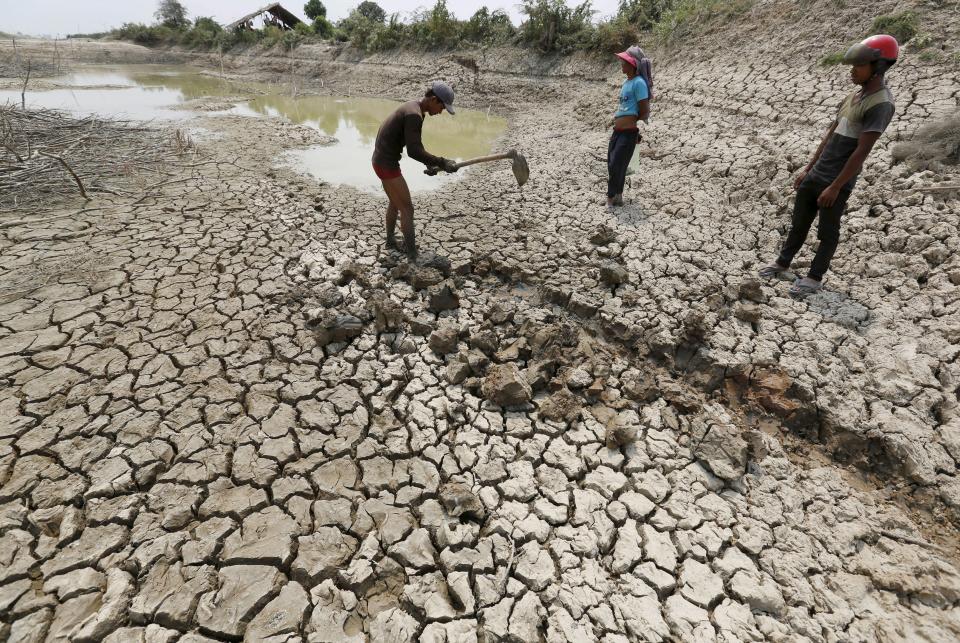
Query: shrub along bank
[[549, 26]]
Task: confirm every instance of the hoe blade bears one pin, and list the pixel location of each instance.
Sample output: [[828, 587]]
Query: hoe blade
[[520, 168]]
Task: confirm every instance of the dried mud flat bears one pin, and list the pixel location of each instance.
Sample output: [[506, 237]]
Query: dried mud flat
[[228, 414]]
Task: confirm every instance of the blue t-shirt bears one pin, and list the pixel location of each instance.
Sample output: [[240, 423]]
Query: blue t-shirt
[[632, 92]]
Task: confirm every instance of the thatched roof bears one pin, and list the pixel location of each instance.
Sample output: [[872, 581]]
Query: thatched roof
[[288, 19]]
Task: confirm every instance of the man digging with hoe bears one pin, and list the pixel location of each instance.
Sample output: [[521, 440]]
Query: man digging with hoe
[[403, 129]]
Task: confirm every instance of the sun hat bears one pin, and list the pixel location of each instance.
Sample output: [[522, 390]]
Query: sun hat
[[625, 55]]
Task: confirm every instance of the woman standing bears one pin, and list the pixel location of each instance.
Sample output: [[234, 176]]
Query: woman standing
[[634, 106]]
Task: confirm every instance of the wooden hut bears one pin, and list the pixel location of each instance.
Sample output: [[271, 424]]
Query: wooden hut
[[273, 14]]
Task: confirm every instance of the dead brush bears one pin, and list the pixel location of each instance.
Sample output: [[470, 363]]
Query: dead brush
[[47, 157], [933, 146], [183, 143]]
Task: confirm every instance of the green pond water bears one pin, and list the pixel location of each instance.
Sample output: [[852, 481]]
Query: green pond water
[[160, 93]]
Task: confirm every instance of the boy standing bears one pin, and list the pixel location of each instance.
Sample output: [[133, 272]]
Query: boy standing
[[634, 106], [403, 128], [824, 185]]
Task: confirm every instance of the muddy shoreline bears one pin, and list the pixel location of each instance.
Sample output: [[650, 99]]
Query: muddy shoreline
[[244, 405]]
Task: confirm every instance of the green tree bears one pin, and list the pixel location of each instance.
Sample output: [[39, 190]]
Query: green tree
[[172, 14], [323, 27], [643, 14], [435, 27], [552, 26], [371, 11], [358, 29], [487, 26], [205, 33], [315, 9]]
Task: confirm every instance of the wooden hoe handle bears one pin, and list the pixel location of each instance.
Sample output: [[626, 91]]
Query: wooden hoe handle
[[480, 159]]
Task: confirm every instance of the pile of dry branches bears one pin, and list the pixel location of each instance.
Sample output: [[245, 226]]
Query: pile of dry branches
[[47, 157]]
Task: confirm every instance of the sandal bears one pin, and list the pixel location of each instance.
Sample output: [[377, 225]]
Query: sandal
[[772, 270], [805, 287]]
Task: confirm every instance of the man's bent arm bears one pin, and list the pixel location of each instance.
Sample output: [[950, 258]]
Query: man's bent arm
[[412, 128]]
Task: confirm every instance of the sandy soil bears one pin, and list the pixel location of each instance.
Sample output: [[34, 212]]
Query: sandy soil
[[232, 414]]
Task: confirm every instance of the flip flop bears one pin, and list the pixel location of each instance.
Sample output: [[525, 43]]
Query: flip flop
[[805, 287], [771, 271]]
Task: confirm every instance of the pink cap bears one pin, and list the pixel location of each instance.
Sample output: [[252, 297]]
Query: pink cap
[[627, 57]]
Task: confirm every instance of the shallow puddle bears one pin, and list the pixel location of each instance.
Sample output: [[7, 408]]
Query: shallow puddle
[[132, 92], [160, 92]]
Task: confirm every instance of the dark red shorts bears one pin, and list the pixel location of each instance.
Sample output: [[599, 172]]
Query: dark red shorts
[[386, 173]]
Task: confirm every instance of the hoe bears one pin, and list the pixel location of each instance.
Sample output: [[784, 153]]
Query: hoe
[[519, 166]]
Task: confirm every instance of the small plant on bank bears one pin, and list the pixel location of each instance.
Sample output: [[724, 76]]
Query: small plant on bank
[[831, 59], [643, 14], [292, 39], [921, 41], [323, 27], [613, 36], [272, 35], [238, 38], [903, 26], [392, 35], [684, 17]]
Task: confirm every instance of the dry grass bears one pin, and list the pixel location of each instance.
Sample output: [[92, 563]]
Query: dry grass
[[183, 143], [933, 146]]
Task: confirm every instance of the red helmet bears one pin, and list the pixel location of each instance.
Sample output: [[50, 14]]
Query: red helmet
[[874, 48]]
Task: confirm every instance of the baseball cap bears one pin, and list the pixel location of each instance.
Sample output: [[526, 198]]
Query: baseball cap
[[627, 56], [444, 92]]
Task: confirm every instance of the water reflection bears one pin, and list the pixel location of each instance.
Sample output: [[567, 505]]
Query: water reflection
[[158, 92], [136, 92], [355, 121]]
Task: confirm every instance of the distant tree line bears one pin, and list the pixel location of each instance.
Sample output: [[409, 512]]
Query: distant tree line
[[549, 26]]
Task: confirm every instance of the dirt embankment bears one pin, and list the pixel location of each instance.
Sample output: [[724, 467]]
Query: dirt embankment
[[243, 405]]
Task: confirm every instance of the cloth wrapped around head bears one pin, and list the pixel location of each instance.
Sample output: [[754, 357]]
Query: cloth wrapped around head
[[644, 67]]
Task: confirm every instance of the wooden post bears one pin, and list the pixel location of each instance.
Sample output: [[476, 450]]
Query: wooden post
[[23, 92]]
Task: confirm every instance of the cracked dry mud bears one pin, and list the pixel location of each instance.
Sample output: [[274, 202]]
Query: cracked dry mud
[[228, 414]]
